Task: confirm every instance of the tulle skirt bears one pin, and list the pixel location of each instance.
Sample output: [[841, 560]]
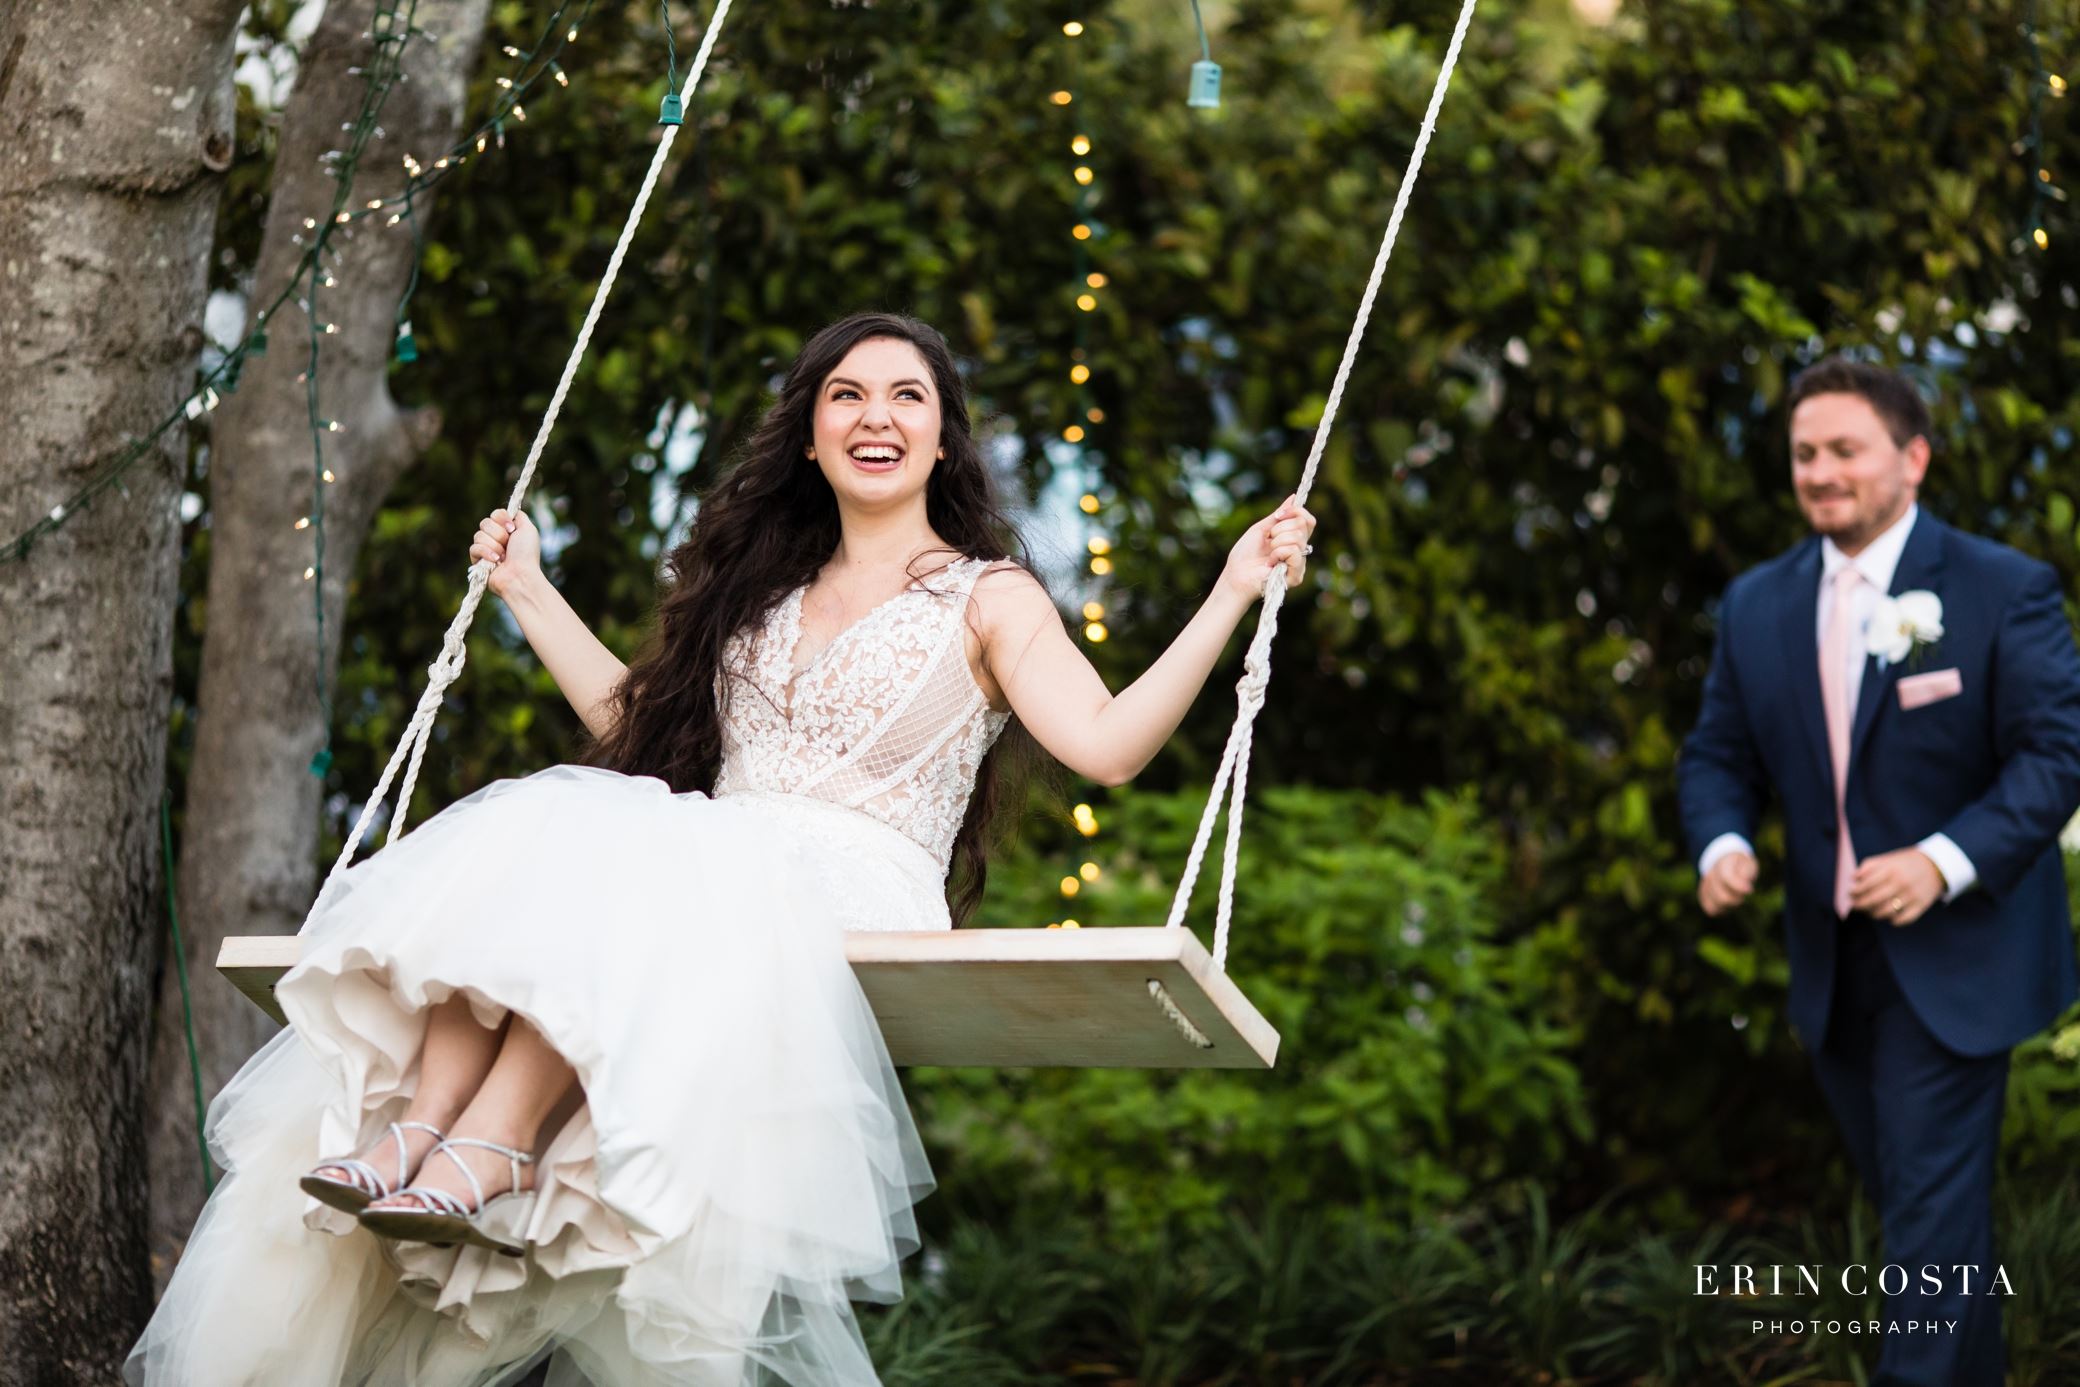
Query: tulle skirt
[[742, 1165]]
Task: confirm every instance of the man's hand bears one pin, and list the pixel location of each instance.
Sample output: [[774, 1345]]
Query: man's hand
[[1727, 884], [1897, 887]]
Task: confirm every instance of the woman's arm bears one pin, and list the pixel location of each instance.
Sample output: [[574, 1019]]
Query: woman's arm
[[586, 671], [1061, 698]]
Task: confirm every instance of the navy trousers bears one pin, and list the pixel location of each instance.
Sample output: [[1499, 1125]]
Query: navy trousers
[[1923, 1126]]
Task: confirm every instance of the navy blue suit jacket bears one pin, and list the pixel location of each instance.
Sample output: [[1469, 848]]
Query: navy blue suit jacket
[[1996, 767]]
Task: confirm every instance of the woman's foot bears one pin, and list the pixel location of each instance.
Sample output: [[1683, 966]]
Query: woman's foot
[[457, 1201], [494, 1172], [385, 1164]]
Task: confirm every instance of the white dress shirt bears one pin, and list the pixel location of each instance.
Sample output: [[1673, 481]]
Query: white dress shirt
[[1878, 561]]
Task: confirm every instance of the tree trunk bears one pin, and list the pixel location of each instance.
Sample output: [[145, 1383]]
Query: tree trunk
[[115, 124], [248, 857]]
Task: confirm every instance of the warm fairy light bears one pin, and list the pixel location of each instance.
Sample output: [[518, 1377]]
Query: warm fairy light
[[1096, 280], [310, 223], [518, 112], [1088, 503], [1061, 98], [328, 476], [1071, 885], [1094, 611], [480, 144], [1081, 232], [1074, 433], [2044, 175], [1095, 633], [344, 217], [1100, 545], [561, 80], [1073, 28], [375, 204], [309, 573], [2042, 239], [1088, 871], [1084, 174], [304, 523], [1080, 146], [1086, 302], [2058, 85], [1071, 924], [1086, 820], [506, 82], [1079, 373], [1101, 565], [1095, 415]]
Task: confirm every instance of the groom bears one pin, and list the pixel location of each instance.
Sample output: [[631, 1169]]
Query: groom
[[1912, 695]]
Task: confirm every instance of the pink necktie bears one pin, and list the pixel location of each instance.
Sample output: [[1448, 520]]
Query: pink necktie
[[1834, 695]]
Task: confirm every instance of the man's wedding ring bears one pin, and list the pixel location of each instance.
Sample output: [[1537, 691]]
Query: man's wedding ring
[[1893, 909]]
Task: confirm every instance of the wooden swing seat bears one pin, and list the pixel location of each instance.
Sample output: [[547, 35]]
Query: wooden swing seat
[[1004, 998]]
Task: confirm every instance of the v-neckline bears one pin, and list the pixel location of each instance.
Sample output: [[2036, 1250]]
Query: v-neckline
[[792, 675]]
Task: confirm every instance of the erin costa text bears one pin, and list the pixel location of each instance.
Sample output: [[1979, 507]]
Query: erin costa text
[[1855, 1279]]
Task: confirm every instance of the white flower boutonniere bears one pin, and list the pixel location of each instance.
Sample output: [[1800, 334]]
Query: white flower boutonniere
[[1905, 625]]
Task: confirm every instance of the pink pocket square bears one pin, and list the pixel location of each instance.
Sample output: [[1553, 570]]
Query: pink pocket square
[[1919, 690]]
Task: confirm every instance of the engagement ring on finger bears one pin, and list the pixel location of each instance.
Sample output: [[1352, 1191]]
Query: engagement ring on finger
[[1894, 907], [1307, 548]]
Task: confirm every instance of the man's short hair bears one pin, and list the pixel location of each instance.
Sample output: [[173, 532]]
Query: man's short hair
[[1888, 392]]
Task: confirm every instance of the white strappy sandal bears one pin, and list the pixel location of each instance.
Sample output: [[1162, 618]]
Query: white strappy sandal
[[363, 1185], [443, 1219]]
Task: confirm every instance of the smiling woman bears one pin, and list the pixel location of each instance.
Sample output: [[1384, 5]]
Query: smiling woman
[[671, 1142]]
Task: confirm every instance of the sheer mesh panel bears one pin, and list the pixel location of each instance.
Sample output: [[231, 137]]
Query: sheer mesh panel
[[886, 719]]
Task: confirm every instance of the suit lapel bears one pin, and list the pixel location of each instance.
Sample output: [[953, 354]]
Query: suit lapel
[[1920, 566], [1799, 623]]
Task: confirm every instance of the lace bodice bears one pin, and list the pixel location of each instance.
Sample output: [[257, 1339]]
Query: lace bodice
[[886, 719]]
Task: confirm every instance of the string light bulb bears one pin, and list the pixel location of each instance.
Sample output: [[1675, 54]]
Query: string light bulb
[[1080, 146], [1088, 504], [2042, 238], [1096, 280], [1081, 232], [2058, 85], [1089, 871], [1095, 633], [1071, 885], [1084, 174], [1073, 28], [1098, 544], [1094, 611], [1074, 433], [1101, 565], [1079, 373], [1062, 98], [1086, 302], [304, 523]]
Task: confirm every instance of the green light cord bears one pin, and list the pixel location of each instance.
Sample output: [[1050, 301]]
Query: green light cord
[[180, 961]]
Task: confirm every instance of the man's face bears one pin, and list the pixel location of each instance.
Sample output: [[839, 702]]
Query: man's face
[[1852, 480]]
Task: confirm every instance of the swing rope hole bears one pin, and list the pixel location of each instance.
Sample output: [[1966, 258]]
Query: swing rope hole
[[1177, 1017]]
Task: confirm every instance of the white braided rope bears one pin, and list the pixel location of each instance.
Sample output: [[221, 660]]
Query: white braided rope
[[444, 670], [1256, 664]]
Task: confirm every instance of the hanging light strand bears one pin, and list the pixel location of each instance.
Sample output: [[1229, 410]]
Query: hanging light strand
[[391, 31]]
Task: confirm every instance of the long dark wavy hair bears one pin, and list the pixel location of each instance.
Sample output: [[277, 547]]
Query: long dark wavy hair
[[767, 527]]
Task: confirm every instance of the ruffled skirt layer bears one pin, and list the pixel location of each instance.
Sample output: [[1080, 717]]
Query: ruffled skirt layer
[[740, 1165]]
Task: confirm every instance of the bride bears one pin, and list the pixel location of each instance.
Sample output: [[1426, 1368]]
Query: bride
[[599, 1083]]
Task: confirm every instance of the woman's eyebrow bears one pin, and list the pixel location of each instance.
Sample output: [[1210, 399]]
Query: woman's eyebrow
[[841, 380]]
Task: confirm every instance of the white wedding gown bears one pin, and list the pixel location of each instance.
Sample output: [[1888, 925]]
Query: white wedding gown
[[744, 1163]]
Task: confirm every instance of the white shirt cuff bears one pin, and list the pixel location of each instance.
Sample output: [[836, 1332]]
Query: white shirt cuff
[[1734, 842], [1959, 874]]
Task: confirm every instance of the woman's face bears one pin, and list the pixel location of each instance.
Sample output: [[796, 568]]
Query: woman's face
[[876, 426]]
